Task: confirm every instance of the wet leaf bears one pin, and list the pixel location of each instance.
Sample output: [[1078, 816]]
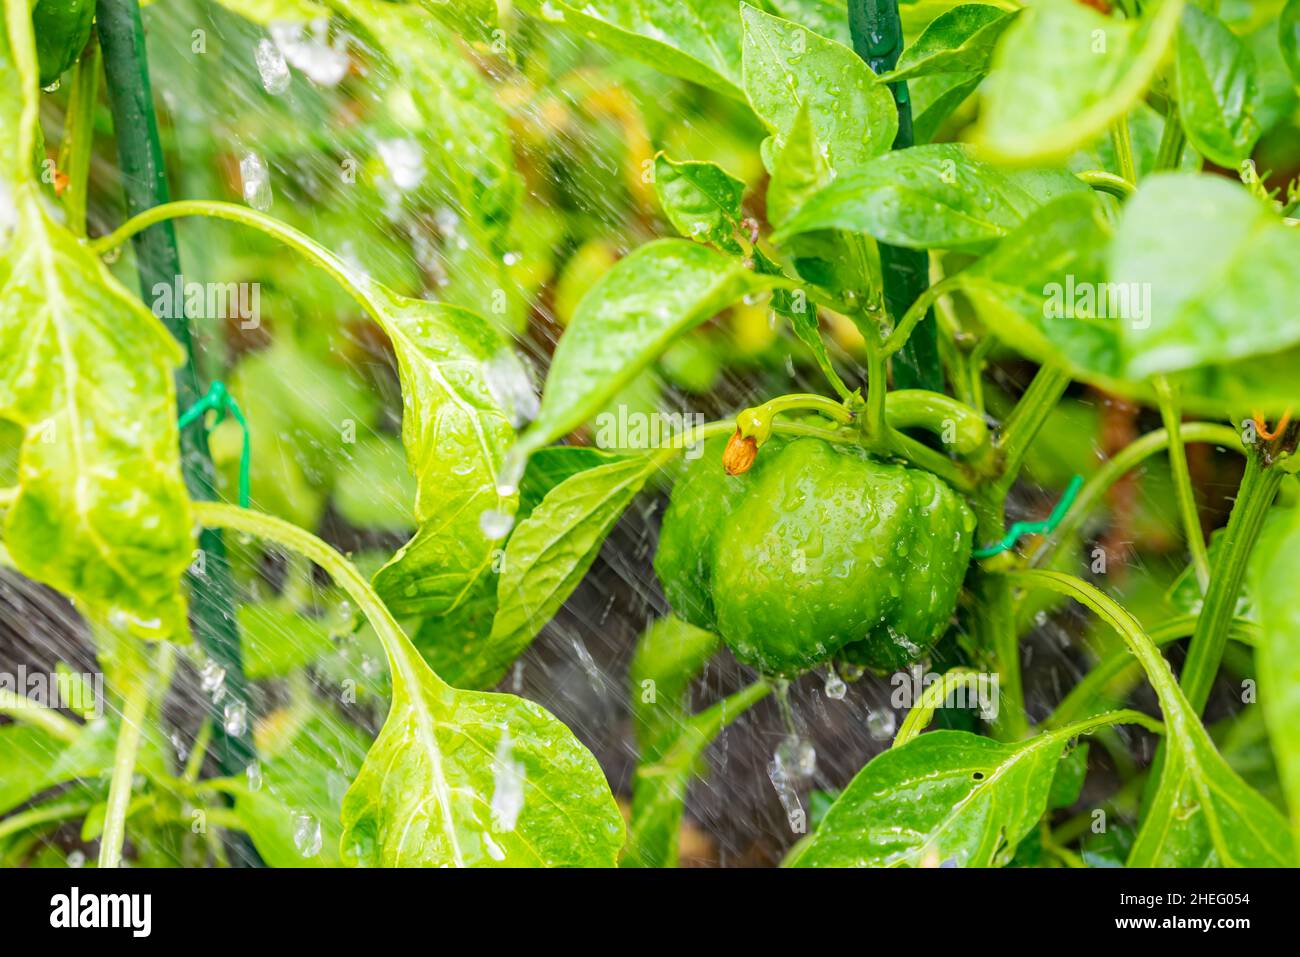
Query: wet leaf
[[669, 654], [697, 40], [959, 40], [1217, 89], [35, 760], [1219, 263], [789, 68], [1272, 573], [461, 386], [547, 556], [627, 319], [929, 196], [944, 796], [1062, 73], [1025, 289], [290, 808], [101, 512], [799, 170], [701, 200], [659, 790], [475, 779], [828, 18]]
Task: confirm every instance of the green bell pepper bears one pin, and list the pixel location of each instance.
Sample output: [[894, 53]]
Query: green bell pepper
[[819, 551]]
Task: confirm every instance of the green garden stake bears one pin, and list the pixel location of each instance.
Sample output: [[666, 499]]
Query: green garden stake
[[877, 35], [144, 182]]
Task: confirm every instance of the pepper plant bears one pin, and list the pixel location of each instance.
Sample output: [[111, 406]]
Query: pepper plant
[[1101, 219]]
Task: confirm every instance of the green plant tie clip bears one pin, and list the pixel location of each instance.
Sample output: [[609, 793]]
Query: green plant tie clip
[[1043, 527], [220, 401]]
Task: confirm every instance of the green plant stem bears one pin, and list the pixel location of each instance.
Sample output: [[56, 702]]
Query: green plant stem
[[922, 713], [937, 413], [287, 535], [124, 756], [198, 752], [22, 709], [1259, 487], [78, 136], [1106, 182], [1120, 619], [1183, 491], [1113, 469], [353, 285], [1114, 667], [1026, 419], [144, 179], [43, 814], [1123, 144], [906, 326], [1169, 154]]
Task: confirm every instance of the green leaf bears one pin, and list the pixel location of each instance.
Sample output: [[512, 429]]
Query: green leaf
[[701, 200], [659, 791], [1067, 782], [828, 18], [799, 170], [936, 97], [1288, 37], [62, 28], [1221, 267], [960, 40], [475, 779], [1037, 290], [101, 512], [549, 553], [944, 796], [461, 387], [669, 654], [789, 68], [550, 466], [35, 760], [929, 196], [290, 808], [1063, 73], [1272, 575], [698, 40], [1203, 814], [1217, 91], [627, 319]]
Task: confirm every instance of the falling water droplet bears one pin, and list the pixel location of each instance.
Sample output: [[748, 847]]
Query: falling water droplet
[[881, 724], [76, 859], [306, 834], [271, 65], [212, 678], [256, 179], [835, 687], [404, 160], [236, 719], [254, 775]]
